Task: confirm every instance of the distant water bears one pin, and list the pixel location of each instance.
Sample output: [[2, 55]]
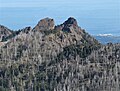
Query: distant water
[[108, 39], [94, 21]]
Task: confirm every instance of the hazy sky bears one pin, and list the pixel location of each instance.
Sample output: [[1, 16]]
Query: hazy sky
[[64, 3], [96, 16]]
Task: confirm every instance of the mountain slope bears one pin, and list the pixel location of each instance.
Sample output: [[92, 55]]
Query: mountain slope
[[54, 40], [58, 58]]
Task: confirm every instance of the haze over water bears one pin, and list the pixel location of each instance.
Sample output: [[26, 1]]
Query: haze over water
[[96, 17]]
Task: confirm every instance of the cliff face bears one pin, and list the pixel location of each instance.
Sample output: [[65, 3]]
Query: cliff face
[[58, 58]]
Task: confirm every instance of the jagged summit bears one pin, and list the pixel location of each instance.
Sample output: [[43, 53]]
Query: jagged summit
[[70, 25], [48, 24], [65, 34], [71, 20], [45, 24]]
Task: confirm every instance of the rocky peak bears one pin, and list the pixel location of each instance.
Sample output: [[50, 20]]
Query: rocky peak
[[70, 25], [71, 21], [45, 24], [4, 32]]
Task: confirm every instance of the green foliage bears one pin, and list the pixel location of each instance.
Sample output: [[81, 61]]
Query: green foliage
[[50, 32], [3, 89], [74, 50], [4, 83]]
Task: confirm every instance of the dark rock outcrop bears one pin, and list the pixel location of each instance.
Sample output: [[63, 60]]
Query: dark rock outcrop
[[71, 21], [69, 25]]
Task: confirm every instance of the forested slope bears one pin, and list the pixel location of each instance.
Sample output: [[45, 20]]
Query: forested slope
[[58, 58]]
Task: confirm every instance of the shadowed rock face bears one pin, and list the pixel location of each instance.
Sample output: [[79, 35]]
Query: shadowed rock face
[[71, 21], [45, 24], [69, 25]]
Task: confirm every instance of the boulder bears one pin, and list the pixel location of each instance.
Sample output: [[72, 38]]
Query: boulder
[[45, 24]]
